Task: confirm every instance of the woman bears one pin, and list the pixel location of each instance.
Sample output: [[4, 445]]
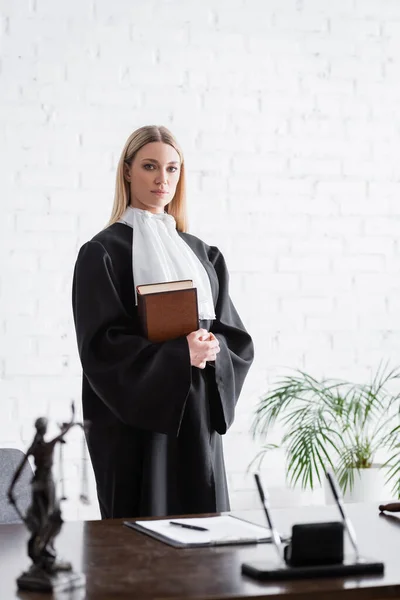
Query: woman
[[157, 410]]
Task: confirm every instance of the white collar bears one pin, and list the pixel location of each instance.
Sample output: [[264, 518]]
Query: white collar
[[159, 254]]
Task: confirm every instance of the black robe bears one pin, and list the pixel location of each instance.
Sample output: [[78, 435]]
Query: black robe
[[156, 421]]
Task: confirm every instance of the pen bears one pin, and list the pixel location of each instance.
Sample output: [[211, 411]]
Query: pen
[[187, 526], [276, 538], [392, 507], [346, 520]]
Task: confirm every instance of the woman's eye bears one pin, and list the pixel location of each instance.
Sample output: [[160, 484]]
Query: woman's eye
[[148, 166], [172, 169]]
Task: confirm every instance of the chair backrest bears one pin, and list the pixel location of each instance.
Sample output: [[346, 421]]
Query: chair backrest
[[10, 458]]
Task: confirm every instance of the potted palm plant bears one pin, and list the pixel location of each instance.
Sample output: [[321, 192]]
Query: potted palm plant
[[335, 424]]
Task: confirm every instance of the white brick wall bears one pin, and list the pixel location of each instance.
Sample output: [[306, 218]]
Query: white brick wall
[[288, 112]]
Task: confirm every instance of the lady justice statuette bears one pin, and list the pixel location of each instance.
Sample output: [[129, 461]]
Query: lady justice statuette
[[43, 518]]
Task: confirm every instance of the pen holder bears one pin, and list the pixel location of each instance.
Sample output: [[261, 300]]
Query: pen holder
[[314, 544]]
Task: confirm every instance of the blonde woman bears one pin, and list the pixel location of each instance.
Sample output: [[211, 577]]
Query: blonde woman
[[157, 410]]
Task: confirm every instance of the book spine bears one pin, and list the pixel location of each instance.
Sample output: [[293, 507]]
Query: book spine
[[142, 312]]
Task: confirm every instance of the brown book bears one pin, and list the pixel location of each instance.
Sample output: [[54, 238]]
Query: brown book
[[168, 310]]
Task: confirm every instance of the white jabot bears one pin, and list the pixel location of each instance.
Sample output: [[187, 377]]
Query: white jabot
[[159, 254]]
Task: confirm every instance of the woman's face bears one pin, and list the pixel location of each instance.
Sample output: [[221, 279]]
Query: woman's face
[[153, 176]]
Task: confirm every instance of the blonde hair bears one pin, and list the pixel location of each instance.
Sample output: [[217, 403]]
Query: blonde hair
[[140, 137]]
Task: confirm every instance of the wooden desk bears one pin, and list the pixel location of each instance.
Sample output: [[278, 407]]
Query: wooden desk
[[122, 563]]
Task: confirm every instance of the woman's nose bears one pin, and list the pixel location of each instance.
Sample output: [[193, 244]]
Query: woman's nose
[[162, 177]]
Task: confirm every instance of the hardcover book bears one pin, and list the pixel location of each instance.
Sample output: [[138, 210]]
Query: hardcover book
[[168, 310]]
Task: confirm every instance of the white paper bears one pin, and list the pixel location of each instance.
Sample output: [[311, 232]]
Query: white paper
[[222, 529]]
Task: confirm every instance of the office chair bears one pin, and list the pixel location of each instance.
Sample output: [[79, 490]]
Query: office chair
[[10, 458]]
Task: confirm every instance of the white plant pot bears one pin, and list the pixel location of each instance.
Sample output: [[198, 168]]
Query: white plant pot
[[369, 486]]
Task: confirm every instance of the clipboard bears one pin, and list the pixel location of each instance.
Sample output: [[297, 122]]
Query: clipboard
[[221, 530]]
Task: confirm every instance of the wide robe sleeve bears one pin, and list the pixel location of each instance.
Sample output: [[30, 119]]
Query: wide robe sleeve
[[144, 384], [236, 350]]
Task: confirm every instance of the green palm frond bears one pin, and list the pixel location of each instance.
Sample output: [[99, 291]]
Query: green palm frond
[[331, 423]]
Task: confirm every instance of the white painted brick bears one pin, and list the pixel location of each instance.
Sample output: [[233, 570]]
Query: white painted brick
[[337, 225], [356, 69], [78, 161], [307, 305], [321, 127], [38, 241], [373, 9], [197, 161], [375, 321], [327, 245], [56, 261], [290, 105], [232, 101], [345, 321], [298, 22], [212, 183], [332, 284], [319, 341], [378, 130], [317, 147], [381, 170], [282, 282], [244, 500], [180, 101], [391, 262], [329, 46], [19, 261], [153, 77], [23, 113], [256, 164], [282, 357], [363, 305], [21, 345], [45, 178], [22, 365], [335, 189], [240, 262], [349, 206], [383, 226], [19, 307], [303, 264], [192, 58], [321, 364], [62, 345], [26, 325], [359, 264], [276, 320], [365, 282], [369, 245], [45, 222], [46, 8], [299, 167], [236, 19], [35, 200], [355, 28], [297, 225], [220, 141], [391, 29], [393, 206], [345, 107]]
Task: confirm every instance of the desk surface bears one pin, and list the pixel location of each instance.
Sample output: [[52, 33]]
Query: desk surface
[[122, 563]]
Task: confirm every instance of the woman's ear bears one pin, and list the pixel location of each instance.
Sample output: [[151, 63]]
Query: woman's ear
[[127, 172]]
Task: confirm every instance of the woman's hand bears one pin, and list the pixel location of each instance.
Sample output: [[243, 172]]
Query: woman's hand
[[203, 347]]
